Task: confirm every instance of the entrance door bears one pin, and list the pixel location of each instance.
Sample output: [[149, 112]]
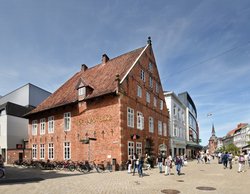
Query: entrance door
[[20, 157]]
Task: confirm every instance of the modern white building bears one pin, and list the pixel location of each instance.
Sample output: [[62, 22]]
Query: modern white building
[[177, 125], [13, 127], [242, 135]]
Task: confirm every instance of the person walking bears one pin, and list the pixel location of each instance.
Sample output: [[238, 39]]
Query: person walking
[[230, 158], [135, 163], [241, 163], [141, 161], [248, 158], [178, 164], [168, 165], [225, 160], [159, 162], [129, 163]]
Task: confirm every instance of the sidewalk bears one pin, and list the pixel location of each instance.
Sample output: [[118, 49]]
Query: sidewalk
[[211, 177]]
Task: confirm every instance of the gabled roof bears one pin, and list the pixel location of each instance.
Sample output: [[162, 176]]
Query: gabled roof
[[101, 78]]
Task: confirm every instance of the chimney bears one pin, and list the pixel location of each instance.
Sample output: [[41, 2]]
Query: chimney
[[84, 67], [105, 58]]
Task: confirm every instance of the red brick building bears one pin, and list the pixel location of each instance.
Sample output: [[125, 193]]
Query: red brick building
[[117, 107]]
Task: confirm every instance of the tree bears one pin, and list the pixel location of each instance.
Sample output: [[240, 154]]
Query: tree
[[232, 148]]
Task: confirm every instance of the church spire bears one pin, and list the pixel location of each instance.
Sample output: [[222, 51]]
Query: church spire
[[213, 131]]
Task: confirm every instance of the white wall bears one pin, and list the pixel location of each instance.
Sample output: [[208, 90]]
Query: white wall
[[3, 132], [17, 130]]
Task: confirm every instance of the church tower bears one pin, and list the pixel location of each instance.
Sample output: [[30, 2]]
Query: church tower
[[213, 141]]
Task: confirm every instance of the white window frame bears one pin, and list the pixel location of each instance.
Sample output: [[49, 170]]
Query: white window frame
[[34, 151], [67, 121], [155, 102], [159, 128], [130, 117], [143, 76], [66, 150], [51, 124], [131, 149], [161, 104], [156, 87], [148, 97], [82, 91], [42, 151], [151, 124], [42, 126], [138, 148], [139, 91], [140, 121], [51, 151], [164, 129], [151, 82], [34, 127], [150, 67]]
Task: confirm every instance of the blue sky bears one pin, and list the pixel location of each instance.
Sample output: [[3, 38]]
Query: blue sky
[[200, 46]]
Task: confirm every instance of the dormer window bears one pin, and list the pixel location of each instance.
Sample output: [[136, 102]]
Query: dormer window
[[82, 92]]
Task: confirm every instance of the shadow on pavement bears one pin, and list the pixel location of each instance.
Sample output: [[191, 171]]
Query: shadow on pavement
[[18, 175]]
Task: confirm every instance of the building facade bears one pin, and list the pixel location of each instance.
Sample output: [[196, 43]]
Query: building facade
[[104, 113], [192, 127], [177, 124], [13, 127]]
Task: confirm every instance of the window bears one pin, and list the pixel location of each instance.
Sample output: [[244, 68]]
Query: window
[[130, 148], [150, 67], [42, 126], [130, 117], [51, 151], [138, 148], [139, 91], [150, 82], [34, 127], [42, 150], [140, 121], [34, 151], [151, 124], [148, 97], [82, 91], [143, 78], [67, 123], [161, 104], [156, 87], [51, 124], [155, 102], [159, 128], [67, 151], [174, 109], [164, 129], [175, 131]]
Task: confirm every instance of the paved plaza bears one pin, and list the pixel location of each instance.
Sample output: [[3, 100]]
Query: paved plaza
[[195, 178]]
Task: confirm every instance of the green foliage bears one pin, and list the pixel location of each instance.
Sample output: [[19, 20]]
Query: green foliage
[[229, 148]]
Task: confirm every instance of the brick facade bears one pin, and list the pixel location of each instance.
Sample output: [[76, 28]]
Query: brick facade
[[105, 118]]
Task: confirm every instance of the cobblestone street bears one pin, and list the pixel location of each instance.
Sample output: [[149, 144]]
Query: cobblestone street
[[212, 178]]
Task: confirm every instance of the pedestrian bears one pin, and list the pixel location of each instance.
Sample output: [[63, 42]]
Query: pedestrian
[[168, 165], [135, 163], [178, 163], [147, 162], [241, 163], [225, 159], [140, 165], [129, 164], [230, 158], [159, 161]]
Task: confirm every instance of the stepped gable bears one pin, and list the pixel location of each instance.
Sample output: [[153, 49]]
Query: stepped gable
[[101, 78]]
